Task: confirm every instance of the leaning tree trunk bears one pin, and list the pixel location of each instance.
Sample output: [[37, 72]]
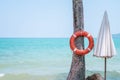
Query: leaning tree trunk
[[77, 71]]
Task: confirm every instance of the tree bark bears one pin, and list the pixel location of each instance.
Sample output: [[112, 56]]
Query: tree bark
[[77, 71]]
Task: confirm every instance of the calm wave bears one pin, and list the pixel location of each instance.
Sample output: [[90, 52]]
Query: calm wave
[[47, 59]]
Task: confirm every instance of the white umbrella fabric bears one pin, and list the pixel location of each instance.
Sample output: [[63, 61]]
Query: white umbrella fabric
[[105, 47]]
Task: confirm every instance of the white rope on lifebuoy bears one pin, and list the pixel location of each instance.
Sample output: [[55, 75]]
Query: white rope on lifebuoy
[[74, 36], [89, 49], [75, 49]]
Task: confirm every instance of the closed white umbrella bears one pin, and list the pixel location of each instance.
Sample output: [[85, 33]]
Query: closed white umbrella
[[105, 47]]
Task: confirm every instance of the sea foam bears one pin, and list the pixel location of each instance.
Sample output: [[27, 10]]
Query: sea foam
[[2, 74]]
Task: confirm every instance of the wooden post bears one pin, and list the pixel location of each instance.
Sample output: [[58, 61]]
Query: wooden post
[[105, 68], [77, 71]]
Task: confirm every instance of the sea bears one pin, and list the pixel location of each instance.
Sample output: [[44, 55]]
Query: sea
[[49, 59]]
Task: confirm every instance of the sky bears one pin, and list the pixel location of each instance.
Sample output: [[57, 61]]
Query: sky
[[54, 18]]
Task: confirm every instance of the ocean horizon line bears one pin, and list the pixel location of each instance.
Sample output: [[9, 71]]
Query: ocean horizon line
[[117, 35]]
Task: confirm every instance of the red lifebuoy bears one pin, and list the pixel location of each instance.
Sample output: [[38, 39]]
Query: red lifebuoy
[[77, 34]]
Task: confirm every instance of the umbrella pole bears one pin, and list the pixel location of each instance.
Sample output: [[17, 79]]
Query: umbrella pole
[[105, 69]]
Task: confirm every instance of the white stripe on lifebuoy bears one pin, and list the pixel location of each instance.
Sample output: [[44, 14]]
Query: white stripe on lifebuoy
[[88, 35], [89, 49], [74, 36], [75, 49]]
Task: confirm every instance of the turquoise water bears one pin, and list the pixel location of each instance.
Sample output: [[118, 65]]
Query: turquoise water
[[48, 59]]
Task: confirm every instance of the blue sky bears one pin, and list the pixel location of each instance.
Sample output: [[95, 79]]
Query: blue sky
[[54, 18]]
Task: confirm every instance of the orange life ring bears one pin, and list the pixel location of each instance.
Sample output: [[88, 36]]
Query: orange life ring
[[83, 34]]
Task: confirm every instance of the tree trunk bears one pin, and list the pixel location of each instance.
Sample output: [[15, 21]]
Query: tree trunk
[[77, 71]]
